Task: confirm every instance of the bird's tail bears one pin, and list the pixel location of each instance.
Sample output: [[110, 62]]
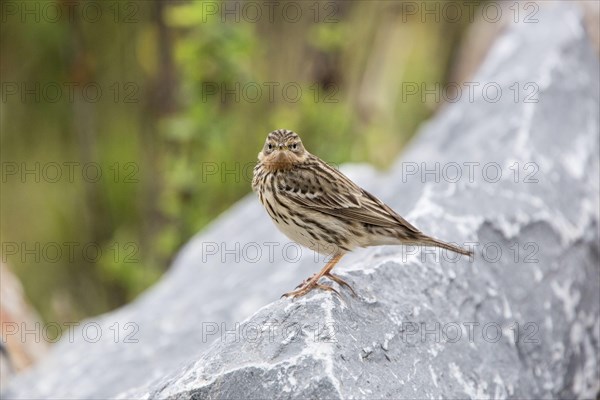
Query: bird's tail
[[429, 241]]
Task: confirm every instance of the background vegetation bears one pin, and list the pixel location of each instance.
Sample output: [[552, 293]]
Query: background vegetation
[[152, 109]]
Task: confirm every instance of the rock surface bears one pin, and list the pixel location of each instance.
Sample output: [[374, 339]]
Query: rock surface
[[520, 320]]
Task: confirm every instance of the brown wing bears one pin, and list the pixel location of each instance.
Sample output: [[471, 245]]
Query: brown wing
[[319, 187]]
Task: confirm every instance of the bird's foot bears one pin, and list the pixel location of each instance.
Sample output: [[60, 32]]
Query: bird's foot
[[307, 288], [312, 283], [340, 282]]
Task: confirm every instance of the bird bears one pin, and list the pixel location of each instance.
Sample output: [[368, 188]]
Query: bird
[[320, 208]]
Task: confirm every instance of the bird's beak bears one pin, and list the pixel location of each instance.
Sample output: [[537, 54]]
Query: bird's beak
[[281, 159], [281, 156]]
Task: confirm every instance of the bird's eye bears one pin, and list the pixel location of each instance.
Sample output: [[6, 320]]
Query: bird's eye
[[270, 146], [294, 146]]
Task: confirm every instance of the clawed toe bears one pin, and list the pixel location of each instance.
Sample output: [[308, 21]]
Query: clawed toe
[[307, 288], [328, 288], [341, 282], [300, 292]]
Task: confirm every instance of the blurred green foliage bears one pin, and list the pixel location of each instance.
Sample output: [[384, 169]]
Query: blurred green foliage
[[186, 102]]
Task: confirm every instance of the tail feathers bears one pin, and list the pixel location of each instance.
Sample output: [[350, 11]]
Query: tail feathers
[[429, 241]]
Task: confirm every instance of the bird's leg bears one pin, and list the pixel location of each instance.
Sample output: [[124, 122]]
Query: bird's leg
[[304, 282], [327, 273], [312, 282]]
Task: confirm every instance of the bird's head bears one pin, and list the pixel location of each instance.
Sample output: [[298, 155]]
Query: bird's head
[[282, 150]]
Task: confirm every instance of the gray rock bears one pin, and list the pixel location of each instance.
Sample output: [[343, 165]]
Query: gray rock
[[521, 320]]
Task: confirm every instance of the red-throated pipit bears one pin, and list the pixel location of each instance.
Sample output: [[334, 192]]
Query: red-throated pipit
[[318, 207]]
